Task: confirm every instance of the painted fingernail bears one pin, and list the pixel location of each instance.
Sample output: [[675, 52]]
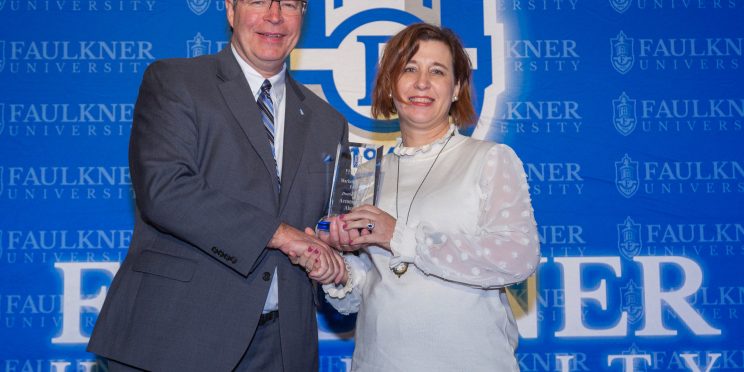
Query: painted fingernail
[[309, 249], [344, 226], [341, 217]]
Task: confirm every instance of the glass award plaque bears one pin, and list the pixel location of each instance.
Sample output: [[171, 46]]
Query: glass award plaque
[[355, 180]]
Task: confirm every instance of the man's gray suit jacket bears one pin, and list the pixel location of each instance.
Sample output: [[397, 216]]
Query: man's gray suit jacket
[[189, 294]]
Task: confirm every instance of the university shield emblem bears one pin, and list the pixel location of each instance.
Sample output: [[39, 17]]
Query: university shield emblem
[[622, 53], [198, 46], [629, 238], [626, 176], [624, 114], [620, 6], [632, 301], [198, 6]]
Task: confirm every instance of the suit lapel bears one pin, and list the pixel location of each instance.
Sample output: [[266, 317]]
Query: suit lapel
[[237, 94], [296, 123]]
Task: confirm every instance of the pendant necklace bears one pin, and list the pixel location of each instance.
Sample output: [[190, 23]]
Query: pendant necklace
[[402, 267]]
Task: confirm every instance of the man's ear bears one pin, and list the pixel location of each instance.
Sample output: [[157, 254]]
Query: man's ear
[[230, 7]]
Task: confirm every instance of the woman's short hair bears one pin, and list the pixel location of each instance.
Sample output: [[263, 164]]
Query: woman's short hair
[[399, 51]]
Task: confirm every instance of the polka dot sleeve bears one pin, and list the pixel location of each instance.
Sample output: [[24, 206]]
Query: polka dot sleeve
[[504, 248]]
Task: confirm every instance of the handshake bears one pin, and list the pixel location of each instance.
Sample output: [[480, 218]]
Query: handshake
[[319, 254]]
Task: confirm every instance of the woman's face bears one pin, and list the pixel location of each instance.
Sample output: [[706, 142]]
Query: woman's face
[[427, 88]]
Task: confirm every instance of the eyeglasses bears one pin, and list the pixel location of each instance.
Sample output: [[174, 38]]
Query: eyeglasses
[[287, 7]]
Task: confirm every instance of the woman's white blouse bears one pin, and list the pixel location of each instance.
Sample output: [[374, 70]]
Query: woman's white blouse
[[471, 231]]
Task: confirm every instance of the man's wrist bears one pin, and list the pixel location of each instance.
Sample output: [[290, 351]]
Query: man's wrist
[[280, 236]]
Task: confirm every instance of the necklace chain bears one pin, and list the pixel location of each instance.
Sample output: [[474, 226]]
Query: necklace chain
[[397, 181]]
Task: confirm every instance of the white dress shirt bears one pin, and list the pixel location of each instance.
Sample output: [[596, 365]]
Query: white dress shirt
[[278, 90]]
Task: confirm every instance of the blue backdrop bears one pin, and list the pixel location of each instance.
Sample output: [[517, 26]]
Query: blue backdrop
[[627, 114]]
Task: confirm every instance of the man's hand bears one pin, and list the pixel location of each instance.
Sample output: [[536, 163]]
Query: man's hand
[[321, 262]]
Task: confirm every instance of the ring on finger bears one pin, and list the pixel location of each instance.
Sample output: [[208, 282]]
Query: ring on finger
[[370, 226]]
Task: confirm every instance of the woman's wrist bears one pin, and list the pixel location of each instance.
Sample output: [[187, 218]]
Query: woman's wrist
[[347, 276], [340, 290], [345, 279]]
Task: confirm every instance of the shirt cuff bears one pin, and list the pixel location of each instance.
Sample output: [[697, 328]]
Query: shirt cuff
[[340, 291], [403, 244]]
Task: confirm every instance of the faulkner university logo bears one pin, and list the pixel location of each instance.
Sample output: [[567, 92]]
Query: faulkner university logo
[[622, 53], [70, 56], [198, 6], [626, 176], [624, 114], [620, 6], [198, 46], [629, 238], [338, 59]]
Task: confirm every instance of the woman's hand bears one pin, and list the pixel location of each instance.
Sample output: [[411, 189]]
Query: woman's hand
[[328, 267], [337, 237], [376, 226]]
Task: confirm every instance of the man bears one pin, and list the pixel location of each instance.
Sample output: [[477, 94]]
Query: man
[[228, 159]]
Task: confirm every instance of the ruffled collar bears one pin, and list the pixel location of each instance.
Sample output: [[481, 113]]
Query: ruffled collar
[[401, 150]]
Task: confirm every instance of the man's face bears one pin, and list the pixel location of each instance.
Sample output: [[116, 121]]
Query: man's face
[[263, 38]]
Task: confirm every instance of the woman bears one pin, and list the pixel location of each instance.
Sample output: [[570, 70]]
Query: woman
[[452, 227]]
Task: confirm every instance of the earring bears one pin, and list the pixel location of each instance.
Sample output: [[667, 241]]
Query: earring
[[454, 99], [390, 95]]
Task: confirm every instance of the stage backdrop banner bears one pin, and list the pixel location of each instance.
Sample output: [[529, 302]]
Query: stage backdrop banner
[[627, 113]]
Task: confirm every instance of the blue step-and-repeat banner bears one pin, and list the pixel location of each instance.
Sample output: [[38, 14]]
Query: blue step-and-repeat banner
[[628, 115]]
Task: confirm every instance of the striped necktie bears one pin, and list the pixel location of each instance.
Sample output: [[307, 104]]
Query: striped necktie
[[267, 117]]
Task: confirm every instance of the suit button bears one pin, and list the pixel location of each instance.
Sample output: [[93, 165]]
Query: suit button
[[266, 276]]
